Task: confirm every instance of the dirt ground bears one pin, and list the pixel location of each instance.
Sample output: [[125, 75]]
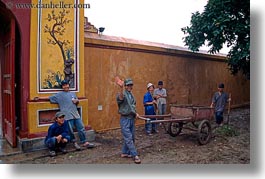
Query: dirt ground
[[160, 148]]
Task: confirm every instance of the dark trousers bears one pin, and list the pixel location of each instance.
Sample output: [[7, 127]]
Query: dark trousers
[[52, 144], [219, 117]]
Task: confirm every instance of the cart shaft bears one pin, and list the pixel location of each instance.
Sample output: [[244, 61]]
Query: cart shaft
[[156, 116], [184, 119]]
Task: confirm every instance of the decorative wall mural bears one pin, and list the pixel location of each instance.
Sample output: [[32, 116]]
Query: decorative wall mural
[[58, 47]]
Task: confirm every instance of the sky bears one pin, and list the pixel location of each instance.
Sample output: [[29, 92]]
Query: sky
[[148, 20]]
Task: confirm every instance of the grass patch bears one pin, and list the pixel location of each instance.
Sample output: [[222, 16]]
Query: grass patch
[[226, 130]]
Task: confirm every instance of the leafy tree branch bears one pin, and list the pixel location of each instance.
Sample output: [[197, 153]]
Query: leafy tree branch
[[223, 22]]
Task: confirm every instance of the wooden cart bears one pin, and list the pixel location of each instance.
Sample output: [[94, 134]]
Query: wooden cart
[[198, 116]]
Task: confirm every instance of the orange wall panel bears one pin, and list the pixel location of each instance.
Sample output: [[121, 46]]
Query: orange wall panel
[[190, 78]]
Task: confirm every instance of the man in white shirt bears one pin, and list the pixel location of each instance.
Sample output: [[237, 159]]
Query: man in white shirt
[[160, 95]]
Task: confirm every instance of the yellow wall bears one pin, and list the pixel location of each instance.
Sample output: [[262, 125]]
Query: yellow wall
[[52, 59], [188, 77], [35, 107]]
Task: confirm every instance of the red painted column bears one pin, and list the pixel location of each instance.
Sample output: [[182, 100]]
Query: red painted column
[[22, 16]]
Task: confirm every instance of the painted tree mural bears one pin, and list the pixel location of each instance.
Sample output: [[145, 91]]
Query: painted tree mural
[[56, 29]]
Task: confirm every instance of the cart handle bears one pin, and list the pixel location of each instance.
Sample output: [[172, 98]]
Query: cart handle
[[143, 118], [157, 116]]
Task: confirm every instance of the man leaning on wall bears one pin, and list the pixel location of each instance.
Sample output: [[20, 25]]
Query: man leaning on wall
[[68, 102]]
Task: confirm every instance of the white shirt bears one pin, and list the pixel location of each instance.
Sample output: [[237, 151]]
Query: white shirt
[[162, 92]]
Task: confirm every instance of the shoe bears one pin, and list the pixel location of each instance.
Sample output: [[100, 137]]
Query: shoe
[[155, 131], [52, 153], [149, 134], [220, 125], [77, 147], [136, 159], [126, 156], [63, 150], [89, 145]]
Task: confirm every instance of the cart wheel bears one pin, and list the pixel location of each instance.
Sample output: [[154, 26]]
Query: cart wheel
[[195, 124], [204, 132], [174, 128]]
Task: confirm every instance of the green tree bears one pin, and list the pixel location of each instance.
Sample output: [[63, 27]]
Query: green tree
[[223, 22]]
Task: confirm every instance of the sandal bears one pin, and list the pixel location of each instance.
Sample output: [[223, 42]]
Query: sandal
[[88, 145], [126, 156], [77, 147], [137, 160]]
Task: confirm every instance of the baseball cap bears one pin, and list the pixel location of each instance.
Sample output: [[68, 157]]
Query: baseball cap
[[59, 114], [128, 81], [64, 82], [221, 85]]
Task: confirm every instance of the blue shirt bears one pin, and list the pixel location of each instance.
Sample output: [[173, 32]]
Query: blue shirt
[[55, 130], [220, 101], [66, 105], [149, 109]]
